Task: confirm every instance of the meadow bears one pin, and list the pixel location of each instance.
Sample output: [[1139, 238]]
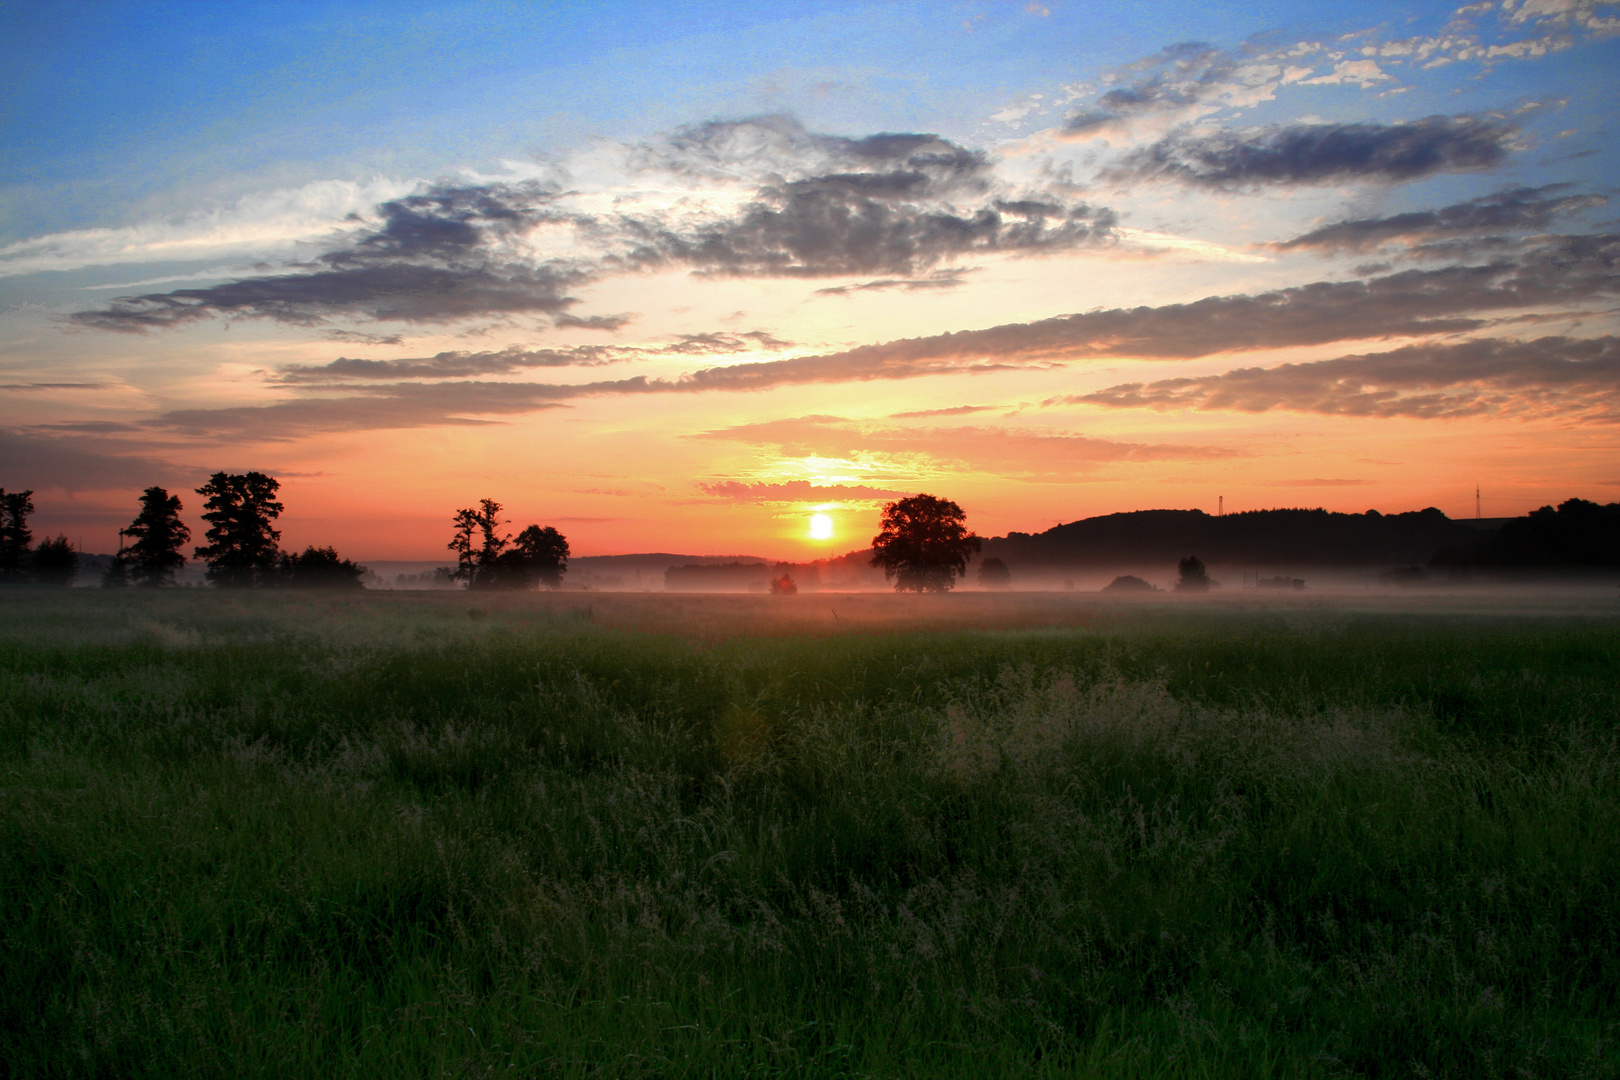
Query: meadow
[[436, 834]]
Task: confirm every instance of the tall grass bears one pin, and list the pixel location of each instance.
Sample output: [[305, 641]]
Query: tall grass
[[281, 836]]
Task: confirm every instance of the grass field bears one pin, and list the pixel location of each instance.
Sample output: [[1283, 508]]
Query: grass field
[[433, 834]]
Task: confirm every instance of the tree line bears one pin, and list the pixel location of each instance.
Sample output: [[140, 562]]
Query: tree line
[[243, 548]]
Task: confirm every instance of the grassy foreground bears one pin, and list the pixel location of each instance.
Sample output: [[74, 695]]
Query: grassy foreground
[[408, 835]]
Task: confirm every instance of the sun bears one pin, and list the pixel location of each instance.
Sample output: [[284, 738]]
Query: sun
[[821, 527]]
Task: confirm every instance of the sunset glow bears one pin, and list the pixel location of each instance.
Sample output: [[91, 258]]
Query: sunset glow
[[678, 278]]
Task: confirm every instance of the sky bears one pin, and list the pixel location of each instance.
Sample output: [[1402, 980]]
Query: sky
[[679, 276]]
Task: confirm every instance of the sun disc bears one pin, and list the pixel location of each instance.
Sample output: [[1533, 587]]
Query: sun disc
[[821, 527]]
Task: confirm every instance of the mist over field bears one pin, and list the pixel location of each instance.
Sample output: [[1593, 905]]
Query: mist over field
[[608, 834]]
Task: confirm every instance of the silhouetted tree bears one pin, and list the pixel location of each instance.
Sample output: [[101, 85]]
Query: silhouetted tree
[[1194, 577], [15, 539], [784, 586], [538, 556], [486, 559], [55, 562], [924, 545], [242, 547], [116, 576], [478, 544], [159, 535], [993, 574], [319, 568]]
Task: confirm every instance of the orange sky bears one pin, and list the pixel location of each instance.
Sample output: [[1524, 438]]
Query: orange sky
[[1302, 275]]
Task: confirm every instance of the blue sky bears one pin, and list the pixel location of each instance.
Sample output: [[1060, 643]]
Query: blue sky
[[120, 109], [673, 192]]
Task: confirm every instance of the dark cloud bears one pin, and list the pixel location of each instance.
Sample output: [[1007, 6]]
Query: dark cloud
[[718, 344], [566, 321], [1568, 376], [895, 203], [1321, 153], [796, 491], [780, 145], [1512, 210], [1412, 303], [35, 386], [403, 292], [434, 258], [394, 406], [355, 337], [461, 365], [1025, 454], [940, 279], [79, 462], [896, 223], [447, 365]]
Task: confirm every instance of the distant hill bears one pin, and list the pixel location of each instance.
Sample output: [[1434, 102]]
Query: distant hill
[[1255, 537]]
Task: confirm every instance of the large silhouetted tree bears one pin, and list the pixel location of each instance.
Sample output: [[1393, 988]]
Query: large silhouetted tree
[[159, 535], [242, 548], [539, 556], [478, 543], [924, 545], [55, 562], [488, 559], [15, 538]]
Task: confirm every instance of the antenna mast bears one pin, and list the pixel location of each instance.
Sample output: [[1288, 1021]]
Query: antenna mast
[[1220, 506], [1476, 502]]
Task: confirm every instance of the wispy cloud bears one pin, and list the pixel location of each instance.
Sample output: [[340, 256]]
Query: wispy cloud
[[795, 491], [463, 365], [1511, 210], [1296, 154], [998, 451], [1181, 83], [940, 279], [955, 410], [433, 259], [1329, 481], [1577, 378], [254, 225]]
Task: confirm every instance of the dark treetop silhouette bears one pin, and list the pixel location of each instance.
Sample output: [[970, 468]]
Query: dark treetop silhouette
[[55, 562], [319, 568], [924, 545], [485, 559], [159, 535], [993, 574], [15, 538], [1194, 576], [242, 547]]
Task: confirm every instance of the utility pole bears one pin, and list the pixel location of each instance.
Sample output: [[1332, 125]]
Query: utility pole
[[1476, 502], [1220, 506]]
